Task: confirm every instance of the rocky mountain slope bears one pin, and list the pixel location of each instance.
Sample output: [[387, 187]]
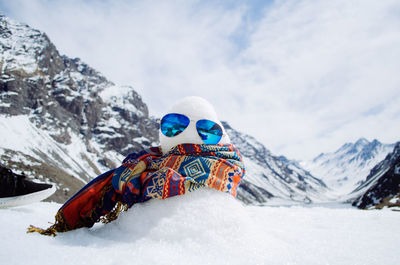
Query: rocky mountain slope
[[61, 116], [63, 122], [347, 168], [382, 185]]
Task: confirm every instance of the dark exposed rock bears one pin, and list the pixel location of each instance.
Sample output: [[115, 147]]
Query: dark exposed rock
[[250, 193]]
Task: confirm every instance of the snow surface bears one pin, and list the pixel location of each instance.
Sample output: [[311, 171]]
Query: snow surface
[[208, 227]]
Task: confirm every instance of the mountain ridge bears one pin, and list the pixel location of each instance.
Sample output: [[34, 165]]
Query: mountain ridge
[[347, 167]]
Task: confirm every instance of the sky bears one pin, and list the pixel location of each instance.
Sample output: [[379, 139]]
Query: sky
[[303, 77]]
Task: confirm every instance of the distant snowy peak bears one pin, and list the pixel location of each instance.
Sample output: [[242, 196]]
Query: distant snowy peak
[[348, 167], [361, 150]]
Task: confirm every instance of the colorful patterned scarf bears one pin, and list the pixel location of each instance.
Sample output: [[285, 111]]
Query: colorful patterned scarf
[[150, 175]]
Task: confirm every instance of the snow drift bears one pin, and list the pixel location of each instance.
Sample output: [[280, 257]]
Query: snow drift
[[207, 227]]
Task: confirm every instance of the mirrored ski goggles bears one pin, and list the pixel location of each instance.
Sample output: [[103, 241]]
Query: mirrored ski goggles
[[174, 123]]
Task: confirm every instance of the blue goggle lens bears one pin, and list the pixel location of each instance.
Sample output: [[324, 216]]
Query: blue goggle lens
[[209, 131], [173, 124]]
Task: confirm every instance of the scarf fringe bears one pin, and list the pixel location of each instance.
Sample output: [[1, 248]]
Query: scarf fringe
[[111, 216], [60, 225], [51, 231]]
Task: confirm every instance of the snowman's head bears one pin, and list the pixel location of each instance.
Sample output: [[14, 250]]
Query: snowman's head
[[191, 120]]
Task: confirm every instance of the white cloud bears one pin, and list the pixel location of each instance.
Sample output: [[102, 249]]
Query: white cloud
[[302, 76], [327, 64]]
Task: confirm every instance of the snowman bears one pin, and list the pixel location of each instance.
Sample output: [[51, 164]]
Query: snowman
[[191, 120], [195, 153]]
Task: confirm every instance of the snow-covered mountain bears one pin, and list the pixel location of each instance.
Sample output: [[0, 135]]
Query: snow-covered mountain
[[347, 168], [272, 177], [382, 185], [63, 122]]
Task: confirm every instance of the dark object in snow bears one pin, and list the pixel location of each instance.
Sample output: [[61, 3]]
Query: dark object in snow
[[12, 184]]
